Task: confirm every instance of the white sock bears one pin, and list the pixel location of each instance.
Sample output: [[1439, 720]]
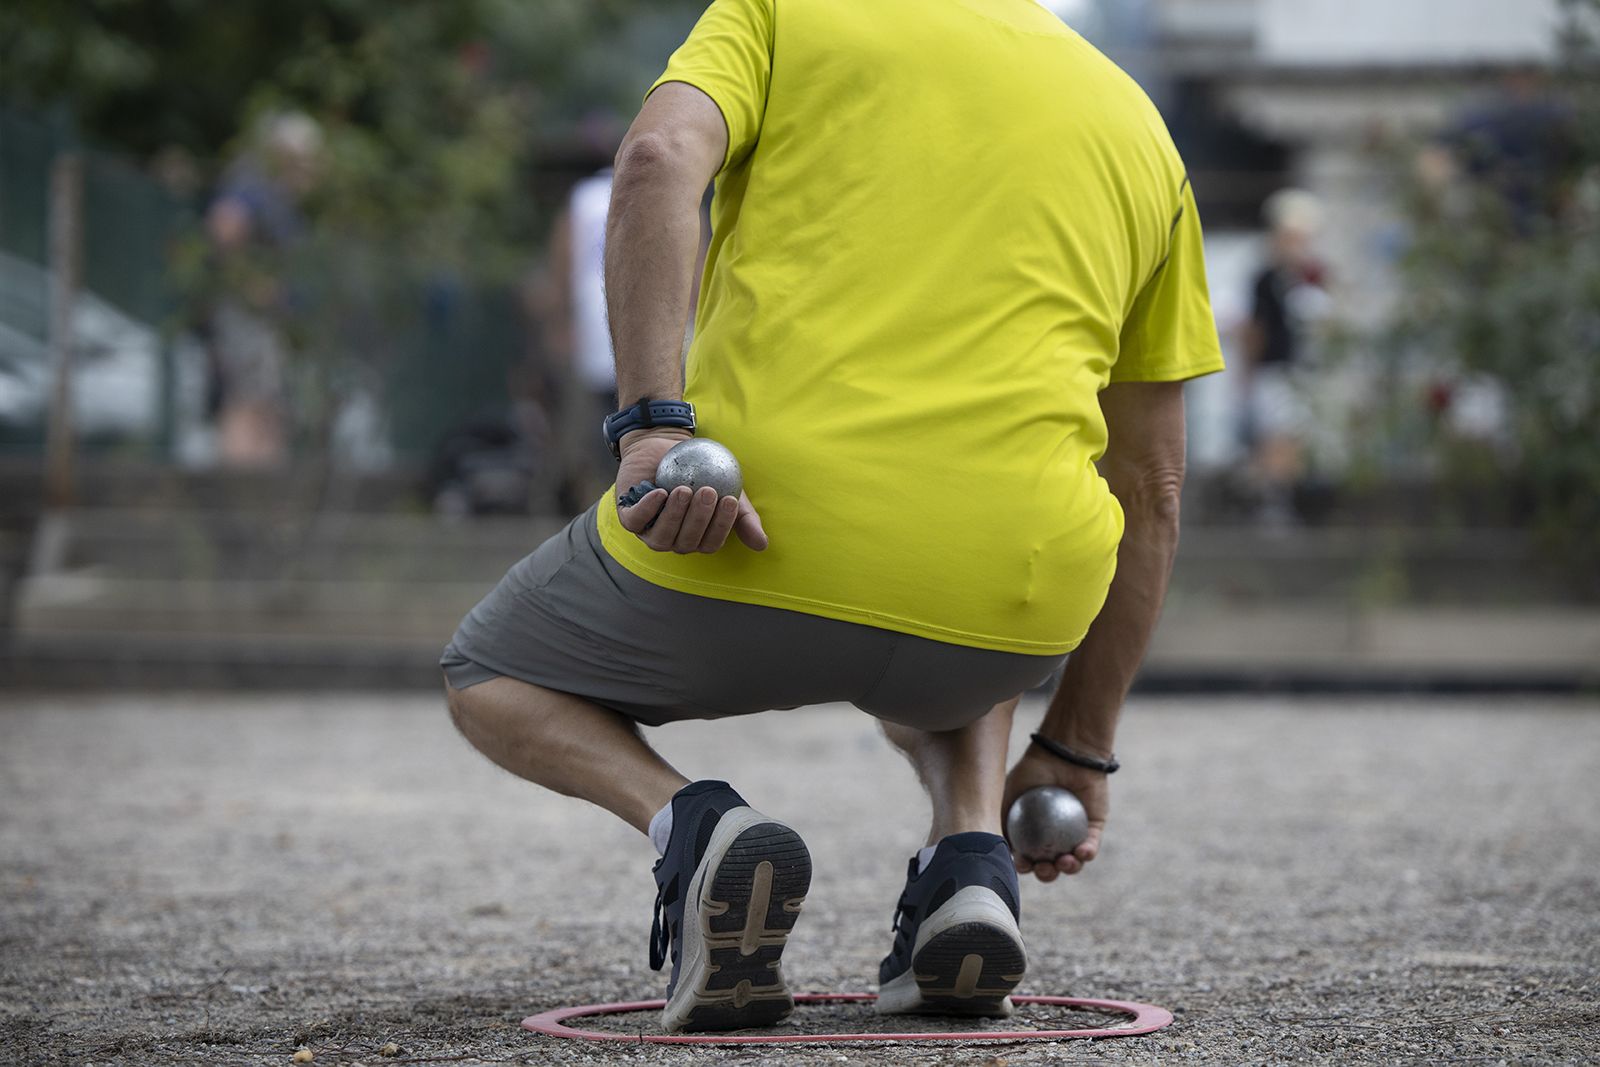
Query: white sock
[[661, 829], [924, 854]]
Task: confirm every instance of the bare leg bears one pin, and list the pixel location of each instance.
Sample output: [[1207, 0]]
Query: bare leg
[[567, 744], [964, 771]]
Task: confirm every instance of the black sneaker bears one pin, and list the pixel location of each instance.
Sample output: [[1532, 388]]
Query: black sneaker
[[740, 878], [957, 949]]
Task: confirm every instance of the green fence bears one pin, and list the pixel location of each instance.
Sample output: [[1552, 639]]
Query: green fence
[[129, 219], [453, 366]]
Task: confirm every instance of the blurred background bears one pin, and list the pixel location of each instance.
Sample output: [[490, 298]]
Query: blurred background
[[302, 344]]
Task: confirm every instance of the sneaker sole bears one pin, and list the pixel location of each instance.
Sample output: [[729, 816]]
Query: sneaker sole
[[967, 959], [746, 894]]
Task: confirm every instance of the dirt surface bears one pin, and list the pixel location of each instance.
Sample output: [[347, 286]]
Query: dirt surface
[[225, 879]]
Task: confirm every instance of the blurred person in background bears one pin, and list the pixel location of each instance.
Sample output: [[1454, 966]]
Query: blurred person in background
[[1519, 142], [1502, 245], [586, 245], [252, 221], [569, 302], [947, 314], [1287, 297]]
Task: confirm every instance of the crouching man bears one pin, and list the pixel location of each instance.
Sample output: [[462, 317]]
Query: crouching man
[[954, 284]]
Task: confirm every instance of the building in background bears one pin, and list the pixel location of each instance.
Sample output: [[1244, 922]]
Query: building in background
[[1319, 95]]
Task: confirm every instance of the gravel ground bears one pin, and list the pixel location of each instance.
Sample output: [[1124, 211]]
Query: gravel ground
[[226, 879]]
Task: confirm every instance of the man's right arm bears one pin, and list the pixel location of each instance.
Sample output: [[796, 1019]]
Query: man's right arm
[[675, 146], [1144, 466]]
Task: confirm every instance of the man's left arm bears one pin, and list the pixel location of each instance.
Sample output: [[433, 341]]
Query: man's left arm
[[1144, 466], [670, 154]]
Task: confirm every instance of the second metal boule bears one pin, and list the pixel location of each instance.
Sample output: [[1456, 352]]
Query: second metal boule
[[1046, 822]]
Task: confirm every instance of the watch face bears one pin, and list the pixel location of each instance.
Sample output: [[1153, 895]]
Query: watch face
[[611, 432]]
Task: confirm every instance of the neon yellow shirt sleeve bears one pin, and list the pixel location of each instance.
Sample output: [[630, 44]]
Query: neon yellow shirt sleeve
[[728, 56], [1170, 334]]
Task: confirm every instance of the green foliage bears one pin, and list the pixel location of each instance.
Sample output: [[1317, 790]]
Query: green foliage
[[147, 75], [424, 147], [433, 112], [1503, 282], [431, 119]]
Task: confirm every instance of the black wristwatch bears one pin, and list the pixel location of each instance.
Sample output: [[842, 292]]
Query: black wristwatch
[[644, 415]]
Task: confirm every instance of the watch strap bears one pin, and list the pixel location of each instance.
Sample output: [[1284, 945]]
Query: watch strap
[[645, 415]]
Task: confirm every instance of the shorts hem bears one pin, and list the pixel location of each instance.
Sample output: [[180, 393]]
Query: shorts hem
[[463, 672]]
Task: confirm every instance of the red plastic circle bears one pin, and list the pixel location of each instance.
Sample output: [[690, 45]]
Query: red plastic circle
[[1147, 1018]]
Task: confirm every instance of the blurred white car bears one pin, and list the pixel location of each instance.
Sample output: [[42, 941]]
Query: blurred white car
[[117, 359]]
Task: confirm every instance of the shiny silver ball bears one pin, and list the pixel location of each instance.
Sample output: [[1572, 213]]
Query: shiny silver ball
[[1046, 822], [700, 461]]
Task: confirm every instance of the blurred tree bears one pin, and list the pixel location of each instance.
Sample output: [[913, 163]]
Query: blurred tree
[[156, 74], [415, 201], [1502, 283]]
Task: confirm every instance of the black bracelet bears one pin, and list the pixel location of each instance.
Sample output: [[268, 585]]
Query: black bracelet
[[1093, 763]]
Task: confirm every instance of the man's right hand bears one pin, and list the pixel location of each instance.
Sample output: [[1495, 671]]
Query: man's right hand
[[1037, 768], [682, 521]]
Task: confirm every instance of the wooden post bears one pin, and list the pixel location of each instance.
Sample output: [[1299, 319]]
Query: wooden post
[[66, 247]]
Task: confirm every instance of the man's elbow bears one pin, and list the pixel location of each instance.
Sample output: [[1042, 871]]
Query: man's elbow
[[1152, 497], [643, 152], [654, 155]]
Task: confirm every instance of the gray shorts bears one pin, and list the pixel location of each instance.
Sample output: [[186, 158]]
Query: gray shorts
[[571, 618]]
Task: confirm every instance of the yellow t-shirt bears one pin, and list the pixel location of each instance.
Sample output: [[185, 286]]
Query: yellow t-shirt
[[942, 227]]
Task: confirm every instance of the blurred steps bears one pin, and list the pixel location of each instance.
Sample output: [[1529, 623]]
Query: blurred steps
[[120, 483], [1295, 646], [127, 597], [1371, 565], [131, 660], [371, 609], [230, 548], [143, 597]]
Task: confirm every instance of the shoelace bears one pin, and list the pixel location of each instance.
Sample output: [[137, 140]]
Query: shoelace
[[661, 926], [903, 906], [901, 910]]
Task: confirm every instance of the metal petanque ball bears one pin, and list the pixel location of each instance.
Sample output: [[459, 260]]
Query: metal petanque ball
[[1046, 822], [700, 461]]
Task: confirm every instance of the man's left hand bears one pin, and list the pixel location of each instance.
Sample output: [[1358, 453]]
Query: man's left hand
[[1037, 768], [684, 520]]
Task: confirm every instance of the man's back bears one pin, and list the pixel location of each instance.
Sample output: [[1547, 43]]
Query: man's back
[[941, 229]]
